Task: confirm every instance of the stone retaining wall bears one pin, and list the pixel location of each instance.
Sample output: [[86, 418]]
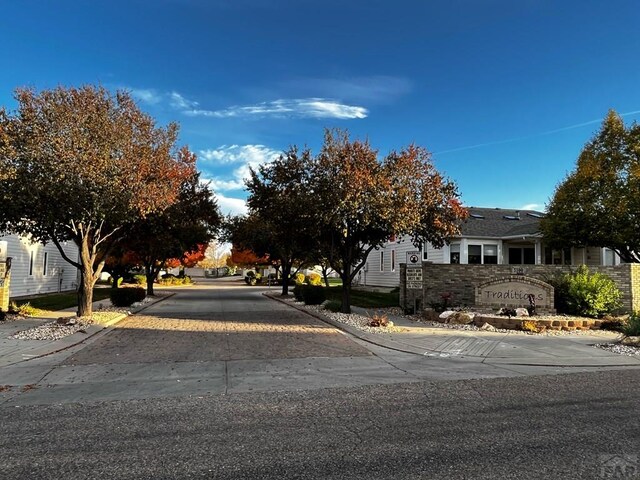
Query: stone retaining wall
[[461, 280]]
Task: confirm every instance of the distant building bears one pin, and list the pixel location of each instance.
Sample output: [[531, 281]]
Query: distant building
[[488, 236]]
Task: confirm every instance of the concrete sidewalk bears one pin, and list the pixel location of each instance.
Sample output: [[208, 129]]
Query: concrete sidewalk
[[573, 350], [14, 351]]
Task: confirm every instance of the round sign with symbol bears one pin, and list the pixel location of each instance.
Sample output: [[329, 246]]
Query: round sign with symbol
[[413, 258]]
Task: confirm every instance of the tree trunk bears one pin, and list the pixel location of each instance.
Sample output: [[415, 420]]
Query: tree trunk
[[115, 277], [85, 293], [346, 285], [286, 273], [346, 293], [325, 275], [87, 279], [151, 276]]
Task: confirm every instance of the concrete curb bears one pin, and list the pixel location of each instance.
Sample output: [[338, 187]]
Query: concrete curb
[[623, 361], [93, 330], [367, 337]]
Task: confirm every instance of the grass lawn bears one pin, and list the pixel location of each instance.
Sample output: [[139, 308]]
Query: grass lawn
[[335, 281], [60, 301], [366, 299]]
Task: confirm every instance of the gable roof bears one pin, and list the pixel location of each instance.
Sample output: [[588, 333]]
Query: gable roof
[[500, 223]]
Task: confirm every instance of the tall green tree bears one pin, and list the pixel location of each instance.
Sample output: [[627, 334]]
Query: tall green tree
[[362, 202], [80, 164], [598, 204]]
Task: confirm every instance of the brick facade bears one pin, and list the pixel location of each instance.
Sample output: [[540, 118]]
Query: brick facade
[[461, 280]]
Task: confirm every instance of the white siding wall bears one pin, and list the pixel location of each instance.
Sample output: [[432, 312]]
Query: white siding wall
[[385, 277], [59, 273]]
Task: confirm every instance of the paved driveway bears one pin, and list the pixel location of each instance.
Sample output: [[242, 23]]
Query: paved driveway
[[218, 322]]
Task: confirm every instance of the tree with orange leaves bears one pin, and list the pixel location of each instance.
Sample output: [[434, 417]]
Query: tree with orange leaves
[[362, 202], [246, 258], [80, 164]]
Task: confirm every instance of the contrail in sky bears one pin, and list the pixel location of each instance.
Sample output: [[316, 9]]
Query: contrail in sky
[[517, 139]]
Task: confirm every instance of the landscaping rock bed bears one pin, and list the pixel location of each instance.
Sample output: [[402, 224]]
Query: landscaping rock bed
[[53, 330], [361, 322], [547, 324], [632, 351], [66, 326]]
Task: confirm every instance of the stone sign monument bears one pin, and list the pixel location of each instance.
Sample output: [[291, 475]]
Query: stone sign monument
[[515, 291]]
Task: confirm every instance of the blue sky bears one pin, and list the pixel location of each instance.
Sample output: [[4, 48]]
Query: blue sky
[[504, 93]]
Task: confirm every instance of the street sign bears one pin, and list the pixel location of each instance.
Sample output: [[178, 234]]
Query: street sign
[[413, 259]]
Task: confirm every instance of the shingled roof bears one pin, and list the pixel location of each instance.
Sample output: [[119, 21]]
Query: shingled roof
[[500, 223]]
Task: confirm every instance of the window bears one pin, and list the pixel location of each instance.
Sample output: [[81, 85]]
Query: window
[[424, 252], [382, 261], [609, 257], [393, 260], [44, 263], [522, 255], [490, 255], [31, 262], [557, 257], [475, 254], [454, 253]]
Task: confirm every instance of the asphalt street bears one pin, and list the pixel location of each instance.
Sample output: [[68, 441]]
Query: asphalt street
[[547, 427]]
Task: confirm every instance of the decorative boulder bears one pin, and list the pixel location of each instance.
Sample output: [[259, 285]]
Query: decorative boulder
[[631, 341], [522, 312], [487, 327], [445, 315], [461, 318]]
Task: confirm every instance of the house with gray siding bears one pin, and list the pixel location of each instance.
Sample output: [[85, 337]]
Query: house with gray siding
[[492, 236], [38, 268]]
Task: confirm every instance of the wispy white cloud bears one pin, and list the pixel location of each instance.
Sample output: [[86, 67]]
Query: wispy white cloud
[[312, 107], [231, 205], [147, 95], [297, 107], [254, 154], [244, 156], [532, 206], [179, 102]]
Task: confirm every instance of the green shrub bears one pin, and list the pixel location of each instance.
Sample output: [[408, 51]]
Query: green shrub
[[333, 306], [631, 328], [168, 280], [591, 294], [297, 292], [124, 297], [314, 279], [300, 278], [140, 279], [120, 279], [313, 294]]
